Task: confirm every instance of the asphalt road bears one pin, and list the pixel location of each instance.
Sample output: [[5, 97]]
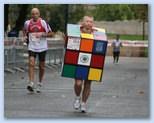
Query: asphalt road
[[124, 93]]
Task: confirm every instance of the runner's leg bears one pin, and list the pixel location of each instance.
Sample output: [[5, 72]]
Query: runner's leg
[[32, 57], [41, 70], [41, 65], [85, 95], [114, 57], [86, 91], [118, 53], [78, 87]]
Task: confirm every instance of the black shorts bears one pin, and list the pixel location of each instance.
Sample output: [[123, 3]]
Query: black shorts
[[41, 55], [116, 54]]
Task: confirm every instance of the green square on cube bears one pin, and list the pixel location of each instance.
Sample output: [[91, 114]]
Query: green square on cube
[[69, 71]]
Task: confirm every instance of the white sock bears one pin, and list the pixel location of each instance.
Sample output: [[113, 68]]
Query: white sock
[[77, 97], [39, 83], [31, 83]]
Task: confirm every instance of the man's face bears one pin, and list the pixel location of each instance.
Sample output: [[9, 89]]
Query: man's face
[[88, 23], [35, 14]]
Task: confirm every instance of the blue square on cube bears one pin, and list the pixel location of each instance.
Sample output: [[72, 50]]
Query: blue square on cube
[[82, 73], [100, 47]]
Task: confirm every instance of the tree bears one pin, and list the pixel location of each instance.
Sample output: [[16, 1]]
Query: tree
[[6, 11], [66, 17], [58, 15], [141, 13], [21, 18], [57, 20], [112, 12], [67, 13], [76, 12]]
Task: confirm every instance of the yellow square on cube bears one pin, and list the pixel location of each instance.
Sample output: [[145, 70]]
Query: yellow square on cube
[[86, 35], [95, 74]]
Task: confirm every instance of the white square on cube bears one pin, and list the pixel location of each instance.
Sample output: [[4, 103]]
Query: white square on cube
[[73, 43], [84, 59]]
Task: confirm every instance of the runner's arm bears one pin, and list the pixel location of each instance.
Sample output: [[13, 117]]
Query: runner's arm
[[25, 32], [49, 32]]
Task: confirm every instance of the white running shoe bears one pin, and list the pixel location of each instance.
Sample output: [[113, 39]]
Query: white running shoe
[[30, 87], [83, 107], [77, 104], [38, 88]]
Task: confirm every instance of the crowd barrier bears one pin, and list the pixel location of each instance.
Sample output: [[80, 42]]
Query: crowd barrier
[[16, 54], [130, 48]]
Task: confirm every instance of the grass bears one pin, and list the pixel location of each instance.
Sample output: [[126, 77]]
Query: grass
[[127, 37]]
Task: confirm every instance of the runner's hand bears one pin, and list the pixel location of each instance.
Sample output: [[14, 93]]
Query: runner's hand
[[44, 35], [25, 38]]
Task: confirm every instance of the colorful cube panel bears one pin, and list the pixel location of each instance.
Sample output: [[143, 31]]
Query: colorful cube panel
[[84, 59], [95, 74], [100, 47], [69, 71], [85, 54], [87, 36], [73, 43], [86, 45], [97, 61], [100, 36], [71, 57], [99, 29], [73, 30], [82, 72]]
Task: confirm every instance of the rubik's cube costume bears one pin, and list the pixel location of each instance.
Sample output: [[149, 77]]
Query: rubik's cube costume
[[85, 54]]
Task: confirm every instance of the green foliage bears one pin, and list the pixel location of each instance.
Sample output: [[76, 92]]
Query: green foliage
[[140, 11], [57, 15], [112, 12], [76, 12]]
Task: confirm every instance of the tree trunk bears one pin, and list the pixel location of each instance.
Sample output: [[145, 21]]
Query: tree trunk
[[22, 16], [6, 12], [143, 33], [66, 16]]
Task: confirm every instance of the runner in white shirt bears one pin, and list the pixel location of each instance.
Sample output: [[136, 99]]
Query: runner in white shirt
[[116, 49], [36, 30]]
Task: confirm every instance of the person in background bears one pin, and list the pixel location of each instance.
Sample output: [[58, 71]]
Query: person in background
[[116, 49]]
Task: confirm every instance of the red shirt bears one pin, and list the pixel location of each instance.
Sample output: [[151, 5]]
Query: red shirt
[[35, 26]]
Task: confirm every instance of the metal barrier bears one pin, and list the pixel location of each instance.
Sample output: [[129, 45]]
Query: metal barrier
[[130, 48], [55, 53], [16, 55], [13, 50]]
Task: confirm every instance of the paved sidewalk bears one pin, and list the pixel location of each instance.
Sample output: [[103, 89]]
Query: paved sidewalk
[[124, 93]]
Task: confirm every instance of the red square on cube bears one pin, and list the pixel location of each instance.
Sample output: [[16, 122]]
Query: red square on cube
[[97, 61], [71, 57]]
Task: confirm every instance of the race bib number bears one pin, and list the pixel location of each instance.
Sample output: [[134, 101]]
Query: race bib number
[[37, 43], [36, 37]]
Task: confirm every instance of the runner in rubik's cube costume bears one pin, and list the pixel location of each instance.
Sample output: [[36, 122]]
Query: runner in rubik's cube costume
[[84, 58]]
